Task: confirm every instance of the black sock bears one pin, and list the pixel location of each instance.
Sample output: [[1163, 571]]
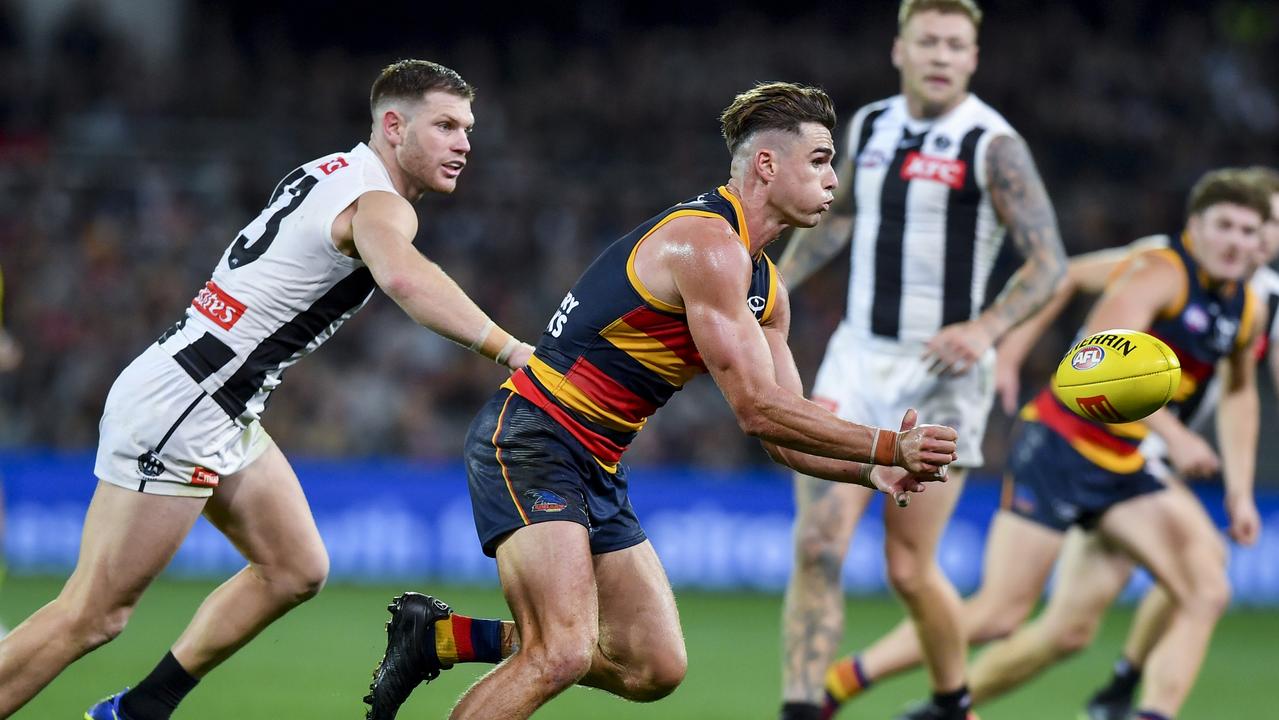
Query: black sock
[[800, 711], [956, 701], [159, 693], [1124, 681]]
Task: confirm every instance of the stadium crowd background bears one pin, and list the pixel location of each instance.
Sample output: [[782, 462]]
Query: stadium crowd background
[[137, 138]]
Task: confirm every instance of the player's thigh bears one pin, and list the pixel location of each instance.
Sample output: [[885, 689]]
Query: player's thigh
[[264, 513], [638, 620], [916, 529], [129, 537], [548, 578], [1170, 534], [1090, 575], [1019, 556]]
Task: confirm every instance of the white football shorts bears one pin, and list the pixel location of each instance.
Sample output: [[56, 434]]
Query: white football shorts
[[874, 382], [161, 434]]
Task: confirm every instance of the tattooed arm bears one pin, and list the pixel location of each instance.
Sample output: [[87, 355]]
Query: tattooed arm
[[1023, 206], [811, 248]]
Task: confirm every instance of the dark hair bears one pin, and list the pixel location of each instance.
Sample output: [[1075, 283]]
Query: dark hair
[[910, 8], [411, 79], [1229, 185], [1266, 177], [774, 106]]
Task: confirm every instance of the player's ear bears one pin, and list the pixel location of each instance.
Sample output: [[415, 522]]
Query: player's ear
[[897, 52], [766, 164], [394, 125]]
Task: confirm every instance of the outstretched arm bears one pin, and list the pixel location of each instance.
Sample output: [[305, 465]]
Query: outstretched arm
[[711, 273], [1023, 206], [384, 226], [1086, 273], [1238, 420], [891, 480], [811, 248], [10, 352]]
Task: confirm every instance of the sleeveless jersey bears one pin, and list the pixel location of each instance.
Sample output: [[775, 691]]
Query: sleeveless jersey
[[926, 235], [281, 289], [1207, 323], [613, 353]]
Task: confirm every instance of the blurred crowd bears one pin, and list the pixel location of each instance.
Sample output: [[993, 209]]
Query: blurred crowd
[[125, 173]]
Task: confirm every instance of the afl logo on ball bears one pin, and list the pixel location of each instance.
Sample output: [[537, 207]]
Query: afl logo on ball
[[1087, 358]]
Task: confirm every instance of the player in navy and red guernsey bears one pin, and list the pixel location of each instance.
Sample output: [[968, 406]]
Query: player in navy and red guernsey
[[1083, 489], [689, 291]]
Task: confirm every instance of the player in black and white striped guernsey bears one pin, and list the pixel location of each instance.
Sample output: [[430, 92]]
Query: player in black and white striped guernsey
[[180, 435], [933, 178]]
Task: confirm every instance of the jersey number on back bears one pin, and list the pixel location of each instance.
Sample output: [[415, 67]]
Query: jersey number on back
[[292, 190]]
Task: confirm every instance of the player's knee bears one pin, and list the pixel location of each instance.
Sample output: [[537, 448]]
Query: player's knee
[[94, 626], [563, 666], [1073, 637], [302, 580], [658, 677], [908, 574], [1209, 595], [819, 553]]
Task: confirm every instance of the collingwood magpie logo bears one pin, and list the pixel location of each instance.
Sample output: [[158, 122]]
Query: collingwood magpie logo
[[149, 464]]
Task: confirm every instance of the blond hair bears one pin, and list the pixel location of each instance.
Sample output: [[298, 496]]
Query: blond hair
[[909, 8]]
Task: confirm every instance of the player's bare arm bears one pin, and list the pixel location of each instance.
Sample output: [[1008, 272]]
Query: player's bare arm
[[381, 229], [1148, 287], [811, 248], [891, 480], [700, 264], [1086, 273], [1019, 197], [1238, 423]]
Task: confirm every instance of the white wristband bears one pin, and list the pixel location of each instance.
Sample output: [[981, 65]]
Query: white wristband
[[505, 353], [484, 334]]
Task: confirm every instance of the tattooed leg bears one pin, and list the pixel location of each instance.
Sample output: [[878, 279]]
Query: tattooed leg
[[813, 613]]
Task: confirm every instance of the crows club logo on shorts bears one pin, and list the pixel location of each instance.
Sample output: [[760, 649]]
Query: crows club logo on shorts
[[546, 501]]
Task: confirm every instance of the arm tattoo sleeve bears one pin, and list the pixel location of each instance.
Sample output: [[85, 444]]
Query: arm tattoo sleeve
[[1023, 206]]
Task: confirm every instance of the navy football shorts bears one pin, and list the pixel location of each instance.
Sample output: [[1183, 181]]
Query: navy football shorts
[[522, 467], [1054, 486]]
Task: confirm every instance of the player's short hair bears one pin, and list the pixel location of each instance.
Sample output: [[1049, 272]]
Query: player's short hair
[[774, 106], [1229, 185], [411, 79], [910, 8], [1267, 178]]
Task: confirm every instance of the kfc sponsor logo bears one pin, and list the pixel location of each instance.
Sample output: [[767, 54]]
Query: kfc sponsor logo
[[204, 477], [922, 167], [216, 305], [331, 166]]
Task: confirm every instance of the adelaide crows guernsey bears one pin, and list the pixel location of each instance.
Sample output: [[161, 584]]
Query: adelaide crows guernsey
[[612, 354], [1208, 322]]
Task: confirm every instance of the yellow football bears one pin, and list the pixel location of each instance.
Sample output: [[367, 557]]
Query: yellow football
[[1117, 376]]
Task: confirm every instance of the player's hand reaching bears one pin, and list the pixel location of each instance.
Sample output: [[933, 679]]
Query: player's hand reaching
[[519, 356], [1192, 456], [1245, 521], [926, 449], [899, 483], [1007, 382], [957, 347], [10, 352]]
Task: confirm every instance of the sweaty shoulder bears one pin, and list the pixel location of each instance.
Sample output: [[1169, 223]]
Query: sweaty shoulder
[[689, 249]]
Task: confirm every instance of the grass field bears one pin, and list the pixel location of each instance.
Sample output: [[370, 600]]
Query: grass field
[[315, 662]]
